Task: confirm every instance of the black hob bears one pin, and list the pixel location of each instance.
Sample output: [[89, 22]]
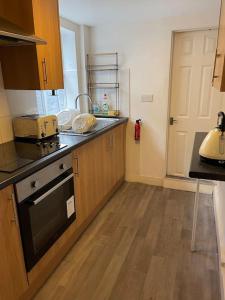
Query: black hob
[[21, 152]]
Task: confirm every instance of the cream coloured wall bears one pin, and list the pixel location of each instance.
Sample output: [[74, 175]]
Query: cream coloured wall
[[145, 49], [6, 132]]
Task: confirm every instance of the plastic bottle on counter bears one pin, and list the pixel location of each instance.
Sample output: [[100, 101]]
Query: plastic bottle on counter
[[96, 108], [106, 104]]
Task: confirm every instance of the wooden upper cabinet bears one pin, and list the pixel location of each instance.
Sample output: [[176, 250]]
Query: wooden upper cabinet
[[46, 16], [219, 67], [36, 67], [13, 281], [13, 12]]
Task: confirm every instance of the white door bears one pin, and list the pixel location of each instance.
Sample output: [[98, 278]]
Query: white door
[[194, 103]]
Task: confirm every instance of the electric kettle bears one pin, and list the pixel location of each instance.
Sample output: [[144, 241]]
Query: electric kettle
[[212, 149]]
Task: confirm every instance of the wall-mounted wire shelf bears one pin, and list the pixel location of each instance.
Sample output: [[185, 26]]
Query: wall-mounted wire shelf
[[103, 85], [110, 67], [108, 63]]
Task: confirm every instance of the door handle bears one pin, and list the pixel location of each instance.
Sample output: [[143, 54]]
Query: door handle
[[42, 197], [172, 121]]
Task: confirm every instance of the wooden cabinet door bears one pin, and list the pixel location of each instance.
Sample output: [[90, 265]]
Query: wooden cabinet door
[[219, 68], [118, 153], [113, 158], [46, 23], [107, 162], [88, 178], [36, 67], [13, 281]]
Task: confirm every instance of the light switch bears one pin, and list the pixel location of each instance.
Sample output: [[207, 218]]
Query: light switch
[[147, 98]]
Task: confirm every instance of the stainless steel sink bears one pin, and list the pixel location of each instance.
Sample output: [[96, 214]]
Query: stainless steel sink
[[101, 124]]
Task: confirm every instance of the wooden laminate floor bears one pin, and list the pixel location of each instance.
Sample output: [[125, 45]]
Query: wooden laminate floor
[[138, 248]]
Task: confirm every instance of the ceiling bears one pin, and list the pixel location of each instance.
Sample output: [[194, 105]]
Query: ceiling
[[94, 12]]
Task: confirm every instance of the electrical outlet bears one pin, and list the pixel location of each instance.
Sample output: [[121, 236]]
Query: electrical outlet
[[147, 98]]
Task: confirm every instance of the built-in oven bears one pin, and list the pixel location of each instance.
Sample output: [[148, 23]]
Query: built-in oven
[[46, 207]]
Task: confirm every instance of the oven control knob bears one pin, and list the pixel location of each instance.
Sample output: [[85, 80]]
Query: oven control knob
[[35, 184], [62, 166]]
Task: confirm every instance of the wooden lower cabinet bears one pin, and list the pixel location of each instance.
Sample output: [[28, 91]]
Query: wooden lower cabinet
[[13, 282], [98, 167], [118, 153], [87, 169]]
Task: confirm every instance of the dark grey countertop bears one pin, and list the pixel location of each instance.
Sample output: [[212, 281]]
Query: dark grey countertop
[[203, 170], [73, 142]]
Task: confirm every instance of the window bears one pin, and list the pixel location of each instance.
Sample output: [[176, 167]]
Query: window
[[48, 104]]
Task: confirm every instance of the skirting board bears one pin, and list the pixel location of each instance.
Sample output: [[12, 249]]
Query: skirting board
[[206, 187], [143, 179], [221, 250], [172, 183]]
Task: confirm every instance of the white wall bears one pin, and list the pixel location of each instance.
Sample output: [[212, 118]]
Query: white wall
[[145, 49]]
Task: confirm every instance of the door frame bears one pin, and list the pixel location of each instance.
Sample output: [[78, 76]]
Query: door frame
[[170, 90]]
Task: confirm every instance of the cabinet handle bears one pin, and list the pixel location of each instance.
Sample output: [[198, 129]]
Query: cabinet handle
[[45, 74], [216, 56], [15, 219], [108, 143], [214, 67], [77, 166], [111, 142]]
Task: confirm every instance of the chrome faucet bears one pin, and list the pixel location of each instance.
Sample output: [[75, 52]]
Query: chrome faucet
[[83, 94]]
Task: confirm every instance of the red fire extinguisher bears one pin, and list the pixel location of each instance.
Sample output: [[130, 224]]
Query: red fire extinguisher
[[137, 130]]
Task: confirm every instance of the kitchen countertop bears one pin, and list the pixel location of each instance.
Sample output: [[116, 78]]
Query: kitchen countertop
[[73, 142], [203, 170]]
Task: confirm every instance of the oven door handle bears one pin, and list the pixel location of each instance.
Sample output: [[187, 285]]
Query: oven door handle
[[42, 197]]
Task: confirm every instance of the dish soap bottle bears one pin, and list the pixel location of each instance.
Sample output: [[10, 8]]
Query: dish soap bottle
[[105, 104]]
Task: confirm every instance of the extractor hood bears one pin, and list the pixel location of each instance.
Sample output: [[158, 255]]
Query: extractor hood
[[11, 35]]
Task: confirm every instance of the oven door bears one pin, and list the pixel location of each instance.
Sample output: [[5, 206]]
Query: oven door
[[45, 215]]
